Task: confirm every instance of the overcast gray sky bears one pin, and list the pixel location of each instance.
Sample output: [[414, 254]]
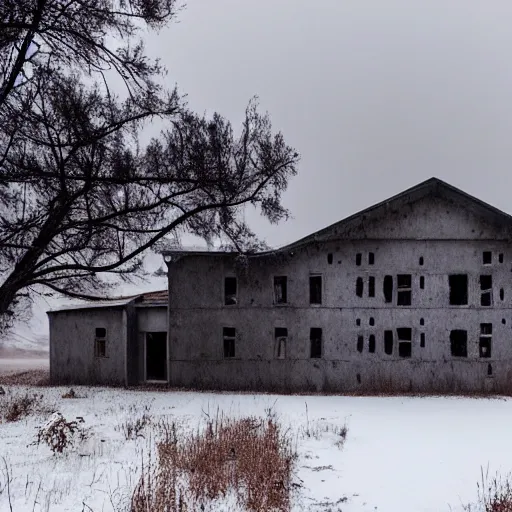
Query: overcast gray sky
[[375, 95]]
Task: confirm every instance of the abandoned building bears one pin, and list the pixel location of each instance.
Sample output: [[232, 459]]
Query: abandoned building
[[414, 293]]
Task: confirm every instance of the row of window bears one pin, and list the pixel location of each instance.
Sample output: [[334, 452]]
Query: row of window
[[486, 258], [458, 342], [458, 289]]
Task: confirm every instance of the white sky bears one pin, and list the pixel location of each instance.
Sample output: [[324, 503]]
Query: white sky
[[375, 95]]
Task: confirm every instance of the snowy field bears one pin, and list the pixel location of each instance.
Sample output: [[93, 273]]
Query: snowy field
[[401, 454]]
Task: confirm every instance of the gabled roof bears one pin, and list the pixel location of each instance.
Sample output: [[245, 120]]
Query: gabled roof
[[432, 187]]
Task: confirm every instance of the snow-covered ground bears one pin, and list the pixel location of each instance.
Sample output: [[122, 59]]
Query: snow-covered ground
[[400, 455]]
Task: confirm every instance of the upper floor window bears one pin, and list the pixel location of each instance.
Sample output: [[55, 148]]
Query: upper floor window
[[230, 291], [315, 289], [281, 337], [486, 290], [458, 289], [404, 335], [388, 288], [371, 258], [404, 292], [358, 259], [487, 257], [280, 289]]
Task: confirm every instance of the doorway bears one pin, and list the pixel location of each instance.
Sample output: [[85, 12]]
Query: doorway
[[156, 356]]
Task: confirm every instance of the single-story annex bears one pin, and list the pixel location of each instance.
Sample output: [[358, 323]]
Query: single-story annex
[[412, 294]]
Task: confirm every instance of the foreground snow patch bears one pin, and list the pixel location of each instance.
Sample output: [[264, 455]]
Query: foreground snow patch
[[400, 454]]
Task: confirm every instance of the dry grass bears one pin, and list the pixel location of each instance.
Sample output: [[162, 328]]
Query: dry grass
[[249, 458], [26, 378], [494, 494], [14, 408]]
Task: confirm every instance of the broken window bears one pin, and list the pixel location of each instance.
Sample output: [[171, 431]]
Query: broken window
[[280, 289], [329, 258], [421, 260], [502, 294], [230, 291], [458, 289], [388, 342], [358, 321], [500, 257], [315, 338], [388, 288], [371, 258], [100, 342], [371, 344], [372, 320], [422, 282], [358, 259], [487, 257], [422, 321], [371, 286], [359, 286], [280, 336], [315, 289], [422, 340], [489, 369], [404, 335], [486, 290], [459, 343], [404, 292], [360, 343], [229, 335], [485, 340]]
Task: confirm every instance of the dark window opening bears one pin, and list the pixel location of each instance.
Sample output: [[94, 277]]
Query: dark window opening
[[404, 293], [281, 336], [388, 289], [329, 258], [500, 257], [371, 286], [422, 321], [502, 294], [100, 342], [404, 335], [280, 289], [360, 343], [371, 258], [371, 344], [459, 343], [315, 338], [358, 259], [487, 257], [486, 290], [372, 321], [230, 291], [359, 286], [458, 289], [358, 378], [388, 342], [358, 321], [315, 289], [421, 260], [485, 343], [422, 282], [503, 321], [422, 340], [229, 335], [489, 369]]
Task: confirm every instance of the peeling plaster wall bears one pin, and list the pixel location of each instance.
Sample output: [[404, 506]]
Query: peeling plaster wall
[[72, 335], [450, 239]]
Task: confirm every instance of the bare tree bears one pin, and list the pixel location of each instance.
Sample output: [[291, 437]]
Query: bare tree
[[80, 194]]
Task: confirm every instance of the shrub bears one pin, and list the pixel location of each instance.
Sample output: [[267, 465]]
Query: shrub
[[133, 428], [19, 406], [58, 433], [248, 458]]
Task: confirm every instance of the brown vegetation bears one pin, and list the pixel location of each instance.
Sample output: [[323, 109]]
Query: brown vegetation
[[249, 459]]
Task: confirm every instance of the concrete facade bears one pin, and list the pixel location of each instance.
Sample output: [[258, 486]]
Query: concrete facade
[[76, 352], [429, 233]]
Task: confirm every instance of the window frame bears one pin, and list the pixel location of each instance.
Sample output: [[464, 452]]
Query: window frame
[[452, 343], [278, 337], [100, 354], [225, 296], [316, 275], [274, 297], [317, 330], [228, 338], [400, 290], [487, 338]]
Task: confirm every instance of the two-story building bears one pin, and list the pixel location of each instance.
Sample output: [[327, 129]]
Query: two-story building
[[413, 293]]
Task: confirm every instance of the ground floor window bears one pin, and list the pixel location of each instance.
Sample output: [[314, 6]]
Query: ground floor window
[[315, 338], [229, 335], [100, 342], [404, 335]]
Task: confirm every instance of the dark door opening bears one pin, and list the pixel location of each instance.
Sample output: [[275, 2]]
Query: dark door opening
[[156, 356]]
